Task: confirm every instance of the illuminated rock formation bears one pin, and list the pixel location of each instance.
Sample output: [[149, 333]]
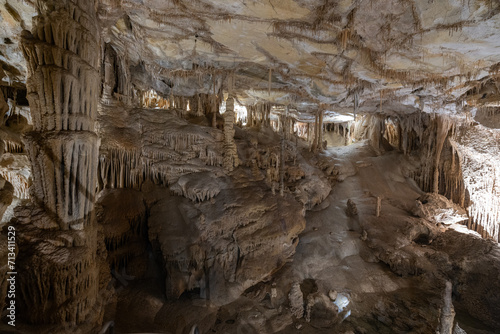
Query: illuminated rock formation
[[61, 280], [230, 153], [261, 166]]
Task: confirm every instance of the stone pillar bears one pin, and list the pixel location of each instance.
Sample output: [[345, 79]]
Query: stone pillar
[[249, 116], [320, 130], [199, 107], [442, 127], [63, 89], [230, 151], [109, 74], [447, 311], [4, 107], [214, 112], [282, 119], [59, 256], [379, 206], [308, 133]]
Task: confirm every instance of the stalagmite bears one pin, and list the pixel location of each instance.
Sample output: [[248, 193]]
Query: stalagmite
[[296, 298], [352, 209], [379, 206], [447, 311], [269, 81], [230, 151], [199, 106]]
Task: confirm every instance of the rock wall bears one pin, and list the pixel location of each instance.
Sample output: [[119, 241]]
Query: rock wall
[[215, 220], [158, 145], [447, 156], [225, 246], [122, 215], [478, 151]]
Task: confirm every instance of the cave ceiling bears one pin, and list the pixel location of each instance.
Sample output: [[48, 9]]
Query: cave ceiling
[[409, 54]]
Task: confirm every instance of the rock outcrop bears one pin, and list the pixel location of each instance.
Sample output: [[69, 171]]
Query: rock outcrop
[[226, 245]]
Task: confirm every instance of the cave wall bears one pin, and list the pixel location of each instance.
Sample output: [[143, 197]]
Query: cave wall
[[478, 150], [448, 155]]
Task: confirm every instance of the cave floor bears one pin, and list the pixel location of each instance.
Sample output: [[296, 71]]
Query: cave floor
[[332, 255]]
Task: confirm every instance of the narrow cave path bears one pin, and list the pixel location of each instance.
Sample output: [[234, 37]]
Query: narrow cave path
[[331, 250]]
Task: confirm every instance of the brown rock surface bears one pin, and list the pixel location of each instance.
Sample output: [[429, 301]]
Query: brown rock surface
[[264, 166]]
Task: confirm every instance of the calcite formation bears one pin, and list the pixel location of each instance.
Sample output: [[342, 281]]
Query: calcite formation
[[62, 271], [123, 228], [251, 166], [63, 91], [226, 248], [230, 152]]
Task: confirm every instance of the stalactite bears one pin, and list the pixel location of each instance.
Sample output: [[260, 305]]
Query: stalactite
[[163, 153], [4, 106], [124, 231], [214, 108], [151, 99]]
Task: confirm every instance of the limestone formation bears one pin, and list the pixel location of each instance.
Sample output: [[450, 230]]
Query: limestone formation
[[320, 310], [352, 210], [61, 283], [253, 166], [296, 301], [447, 311], [230, 153], [124, 229], [62, 88], [379, 206]]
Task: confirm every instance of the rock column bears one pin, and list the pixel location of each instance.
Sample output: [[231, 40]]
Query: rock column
[[320, 130], [443, 126], [447, 311], [63, 89], [109, 74], [59, 254], [230, 151], [249, 116]]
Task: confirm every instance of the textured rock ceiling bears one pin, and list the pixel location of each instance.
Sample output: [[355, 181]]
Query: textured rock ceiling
[[420, 53]]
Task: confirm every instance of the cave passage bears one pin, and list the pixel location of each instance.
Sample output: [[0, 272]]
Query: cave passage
[[264, 166]]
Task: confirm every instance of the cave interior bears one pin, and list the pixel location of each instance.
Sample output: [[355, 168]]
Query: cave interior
[[251, 166]]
